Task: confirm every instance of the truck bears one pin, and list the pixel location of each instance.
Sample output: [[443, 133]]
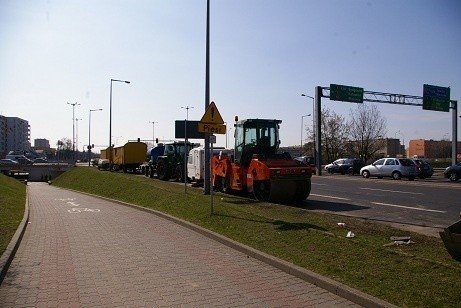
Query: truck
[[196, 162], [127, 157], [258, 168], [167, 160]]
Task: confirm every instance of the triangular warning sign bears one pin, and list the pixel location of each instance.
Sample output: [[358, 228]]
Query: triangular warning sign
[[212, 115]]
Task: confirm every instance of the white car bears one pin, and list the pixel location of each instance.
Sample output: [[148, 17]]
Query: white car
[[391, 167]]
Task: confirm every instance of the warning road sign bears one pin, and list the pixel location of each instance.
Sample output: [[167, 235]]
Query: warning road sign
[[212, 115]]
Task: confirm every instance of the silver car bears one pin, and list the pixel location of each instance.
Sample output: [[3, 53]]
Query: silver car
[[391, 167]]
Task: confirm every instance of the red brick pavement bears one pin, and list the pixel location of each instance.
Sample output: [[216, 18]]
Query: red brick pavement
[[82, 251]]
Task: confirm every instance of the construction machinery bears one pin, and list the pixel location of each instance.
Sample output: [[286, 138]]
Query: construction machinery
[[258, 168], [167, 160]]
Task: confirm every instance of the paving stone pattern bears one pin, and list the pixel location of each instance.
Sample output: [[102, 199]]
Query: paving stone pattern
[[81, 251]]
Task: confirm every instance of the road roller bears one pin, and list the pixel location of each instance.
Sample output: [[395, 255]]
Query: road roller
[[257, 166]]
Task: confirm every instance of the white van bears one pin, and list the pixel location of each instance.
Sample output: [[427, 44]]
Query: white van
[[196, 162]]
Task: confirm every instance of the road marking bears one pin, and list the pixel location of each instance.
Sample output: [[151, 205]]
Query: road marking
[[331, 197], [409, 207], [79, 210], [394, 191]]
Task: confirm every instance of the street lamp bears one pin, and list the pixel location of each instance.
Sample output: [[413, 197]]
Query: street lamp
[[153, 132], [302, 128], [73, 127], [76, 132], [185, 146], [110, 121], [313, 120], [89, 135]]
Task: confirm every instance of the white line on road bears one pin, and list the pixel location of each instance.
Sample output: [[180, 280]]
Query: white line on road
[[394, 191], [330, 197], [408, 207]]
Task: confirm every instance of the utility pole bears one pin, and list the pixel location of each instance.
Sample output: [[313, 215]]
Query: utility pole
[[73, 128]]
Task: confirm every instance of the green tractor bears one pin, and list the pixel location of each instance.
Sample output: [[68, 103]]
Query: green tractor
[[171, 163]]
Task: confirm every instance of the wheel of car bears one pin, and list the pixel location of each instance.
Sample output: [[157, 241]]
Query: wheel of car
[[330, 171], [396, 175], [366, 174], [453, 176]]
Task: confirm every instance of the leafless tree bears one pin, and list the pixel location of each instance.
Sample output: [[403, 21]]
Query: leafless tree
[[367, 128], [334, 135]]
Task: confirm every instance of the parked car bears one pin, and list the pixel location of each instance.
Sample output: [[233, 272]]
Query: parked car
[[345, 165], [425, 169], [21, 159], [308, 160], [391, 167], [40, 160], [453, 172], [103, 164], [8, 162]]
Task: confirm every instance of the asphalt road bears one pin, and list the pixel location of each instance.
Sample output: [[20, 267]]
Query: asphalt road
[[431, 203]]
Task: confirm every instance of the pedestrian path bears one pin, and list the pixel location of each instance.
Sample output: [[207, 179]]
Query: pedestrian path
[[82, 251]]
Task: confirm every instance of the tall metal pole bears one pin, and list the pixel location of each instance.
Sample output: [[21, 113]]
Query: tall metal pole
[[317, 129], [73, 128], [76, 132], [207, 99], [186, 153], [89, 135], [110, 122], [313, 120], [454, 134], [153, 132]]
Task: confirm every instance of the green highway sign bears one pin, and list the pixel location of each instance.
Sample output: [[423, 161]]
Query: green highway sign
[[346, 93], [436, 98]]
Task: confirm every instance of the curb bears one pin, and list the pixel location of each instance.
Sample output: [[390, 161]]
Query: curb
[[8, 255], [325, 283]]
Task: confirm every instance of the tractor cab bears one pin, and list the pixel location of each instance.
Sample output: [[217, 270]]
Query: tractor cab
[[255, 136]]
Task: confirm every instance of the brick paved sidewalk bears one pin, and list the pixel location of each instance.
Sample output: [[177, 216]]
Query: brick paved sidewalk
[[82, 251]]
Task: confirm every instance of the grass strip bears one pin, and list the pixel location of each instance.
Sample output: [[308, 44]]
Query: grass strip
[[12, 205]]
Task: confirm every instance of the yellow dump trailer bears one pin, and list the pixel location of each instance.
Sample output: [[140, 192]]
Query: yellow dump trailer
[[128, 157], [104, 154]]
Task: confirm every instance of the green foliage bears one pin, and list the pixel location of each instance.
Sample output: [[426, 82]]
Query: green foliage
[[12, 204], [418, 275]]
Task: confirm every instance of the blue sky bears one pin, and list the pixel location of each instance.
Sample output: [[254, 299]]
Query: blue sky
[[264, 54]]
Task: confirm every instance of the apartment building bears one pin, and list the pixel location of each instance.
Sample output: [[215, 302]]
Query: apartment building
[[14, 135]]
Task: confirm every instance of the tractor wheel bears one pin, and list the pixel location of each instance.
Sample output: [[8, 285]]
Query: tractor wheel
[[162, 170], [150, 169], [178, 174], [262, 190]]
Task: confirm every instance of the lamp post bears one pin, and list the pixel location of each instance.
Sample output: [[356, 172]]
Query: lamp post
[[302, 128], [313, 120], [185, 146], [76, 132], [89, 135], [110, 121], [73, 127], [153, 132]]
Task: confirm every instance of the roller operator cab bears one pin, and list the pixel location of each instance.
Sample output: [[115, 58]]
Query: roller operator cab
[[259, 168]]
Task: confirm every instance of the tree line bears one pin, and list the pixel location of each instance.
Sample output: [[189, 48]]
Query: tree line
[[362, 136]]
